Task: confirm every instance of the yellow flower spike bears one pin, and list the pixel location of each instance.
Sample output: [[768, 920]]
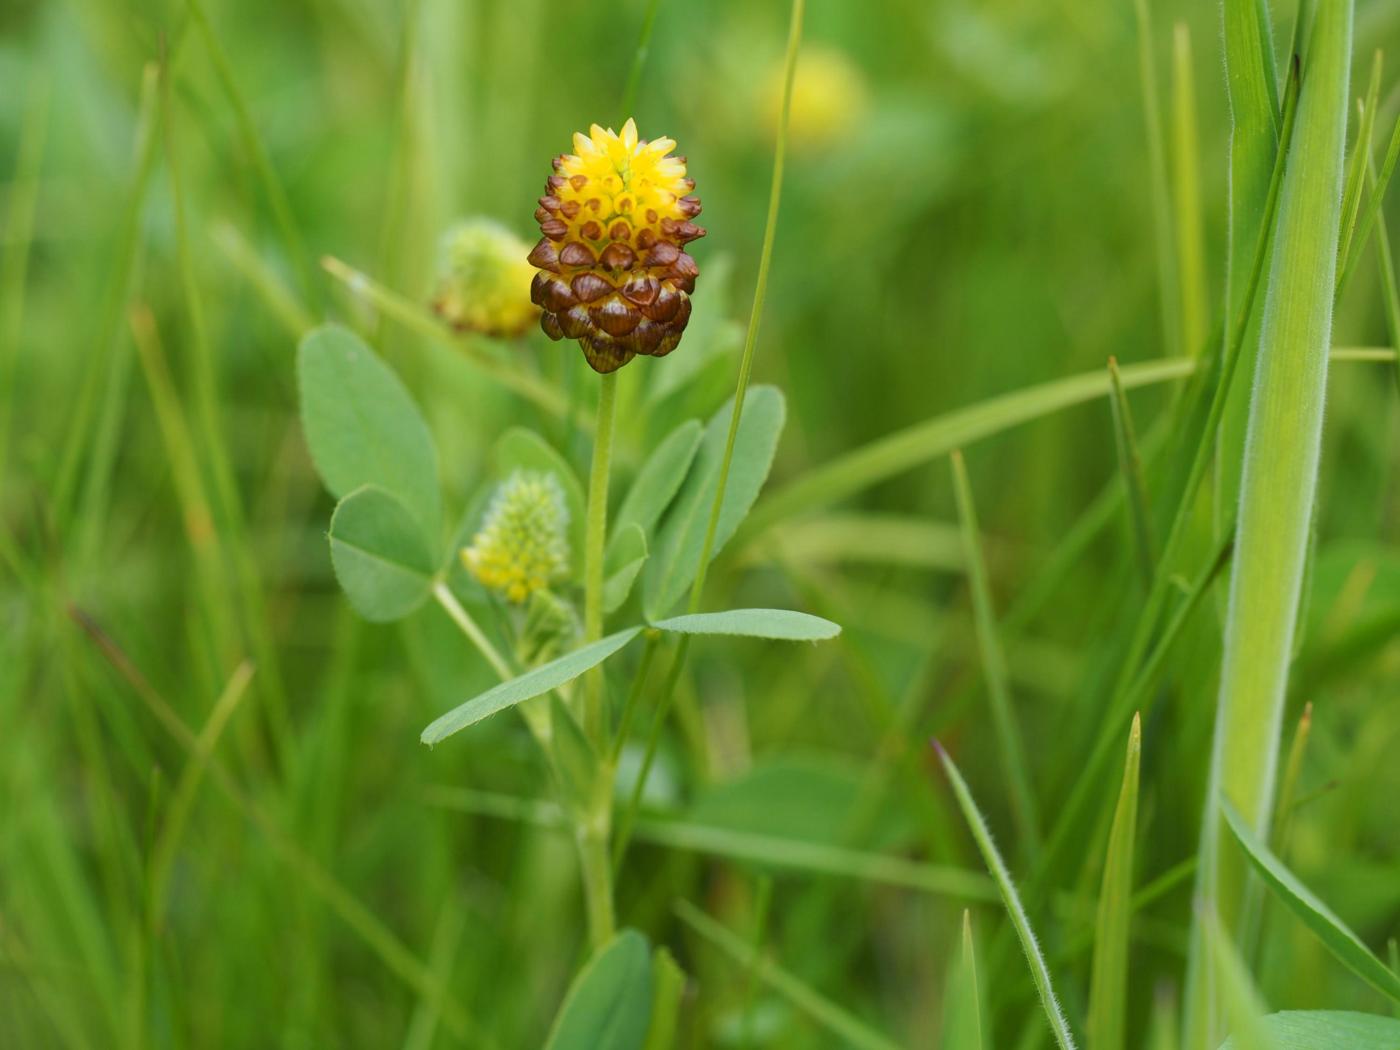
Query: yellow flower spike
[[522, 546], [485, 284], [613, 272]]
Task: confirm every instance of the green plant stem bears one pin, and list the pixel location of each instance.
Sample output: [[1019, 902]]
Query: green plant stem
[[765, 260], [472, 630], [594, 544], [639, 59], [629, 708], [590, 835]]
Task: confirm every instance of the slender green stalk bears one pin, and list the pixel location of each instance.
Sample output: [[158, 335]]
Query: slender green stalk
[[1157, 176], [358, 918], [1358, 162], [283, 304], [257, 154], [594, 544], [1017, 913], [208, 418], [765, 260], [1013, 750], [639, 60], [1108, 991], [764, 897], [1373, 208], [1255, 150], [1186, 197], [1277, 488], [1130, 462], [469, 627], [19, 230], [634, 694], [1390, 290]]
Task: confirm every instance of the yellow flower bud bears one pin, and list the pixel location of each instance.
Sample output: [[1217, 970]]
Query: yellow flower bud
[[828, 98], [522, 546], [485, 282], [612, 270]]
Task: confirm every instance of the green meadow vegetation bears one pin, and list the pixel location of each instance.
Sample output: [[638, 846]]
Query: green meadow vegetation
[[981, 631]]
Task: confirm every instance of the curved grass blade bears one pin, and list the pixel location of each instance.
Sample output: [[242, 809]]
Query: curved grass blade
[[1058, 1025], [1325, 1030], [1339, 939]]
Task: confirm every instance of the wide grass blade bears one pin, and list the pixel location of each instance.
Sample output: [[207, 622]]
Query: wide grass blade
[[1319, 918], [1279, 476], [1108, 990], [983, 837], [1325, 1030]]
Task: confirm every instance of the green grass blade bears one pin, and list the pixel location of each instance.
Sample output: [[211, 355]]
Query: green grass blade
[[913, 446], [1186, 197], [1279, 478], [1108, 990], [1339, 939], [835, 1019], [1130, 462], [784, 854], [19, 232], [983, 837], [1252, 82], [1013, 749], [962, 1004], [1373, 208], [1390, 290], [1239, 999], [1157, 178], [1358, 162]]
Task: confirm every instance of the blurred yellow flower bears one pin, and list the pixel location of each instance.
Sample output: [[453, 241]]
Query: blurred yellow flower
[[828, 96], [485, 280], [522, 546], [612, 270]]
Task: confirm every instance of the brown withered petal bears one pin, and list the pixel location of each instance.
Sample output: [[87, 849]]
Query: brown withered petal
[[544, 255], [617, 256], [665, 305], [604, 356], [550, 324], [557, 296], [689, 206], [575, 322], [569, 209], [589, 286], [663, 253], [641, 290], [550, 203], [620, 232], [576, 254], [554, 229], [615, 317]]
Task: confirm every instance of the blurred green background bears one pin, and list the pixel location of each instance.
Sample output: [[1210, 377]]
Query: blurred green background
[[968, 210]]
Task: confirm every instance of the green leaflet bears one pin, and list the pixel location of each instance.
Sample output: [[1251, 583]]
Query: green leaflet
[[363, 427], [609, 1002], [381, 556]]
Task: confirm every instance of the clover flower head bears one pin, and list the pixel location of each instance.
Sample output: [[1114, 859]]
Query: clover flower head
[[522, 546], [485, 283], [613, 272]]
